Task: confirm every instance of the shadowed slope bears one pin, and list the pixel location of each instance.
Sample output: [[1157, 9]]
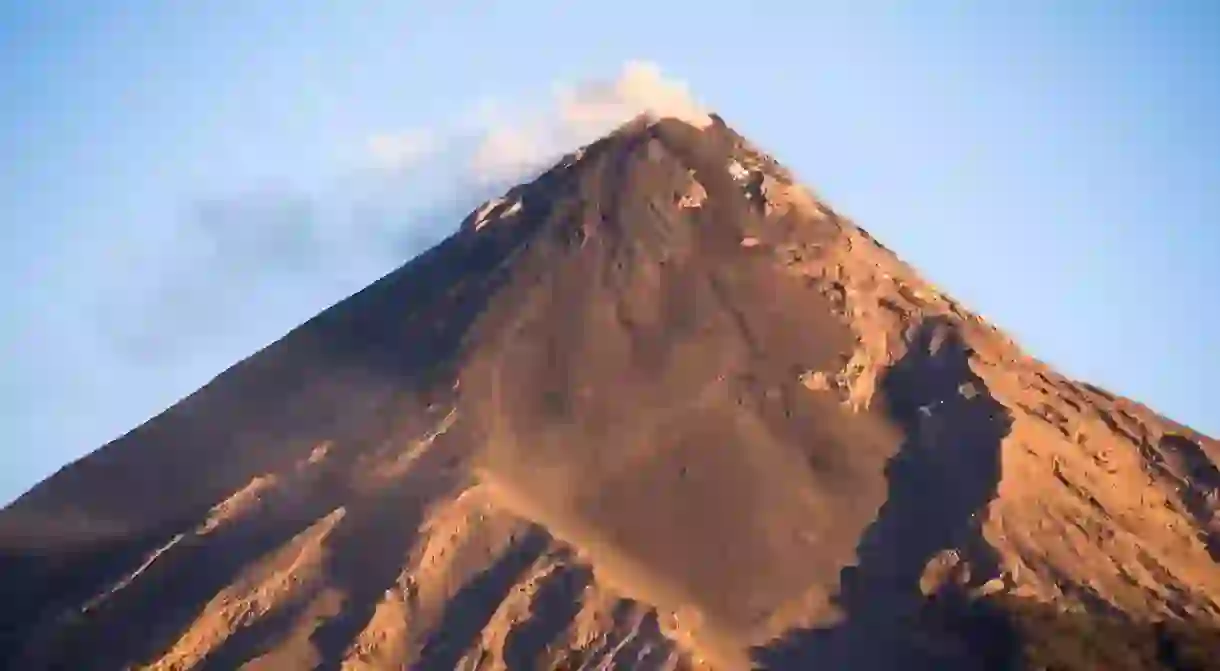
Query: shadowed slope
[[945, 475]]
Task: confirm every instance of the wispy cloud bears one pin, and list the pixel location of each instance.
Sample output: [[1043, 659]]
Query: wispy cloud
[[505, 140], [247, 266], [402, 149]]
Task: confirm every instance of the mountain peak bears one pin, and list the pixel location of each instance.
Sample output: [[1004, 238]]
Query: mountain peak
[[659, 408], [669, 150]]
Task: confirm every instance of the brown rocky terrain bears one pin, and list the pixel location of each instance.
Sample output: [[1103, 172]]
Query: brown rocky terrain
[[661, 408]]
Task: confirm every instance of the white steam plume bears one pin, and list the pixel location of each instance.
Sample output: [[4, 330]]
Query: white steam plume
[[506, 148]]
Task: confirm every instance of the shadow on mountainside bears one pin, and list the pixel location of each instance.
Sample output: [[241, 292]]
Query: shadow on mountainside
[[939, 483]]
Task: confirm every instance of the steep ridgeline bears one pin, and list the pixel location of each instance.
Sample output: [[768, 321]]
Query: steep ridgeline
[[660, 408]]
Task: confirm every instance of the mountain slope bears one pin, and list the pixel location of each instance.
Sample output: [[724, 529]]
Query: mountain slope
[[659, 408]]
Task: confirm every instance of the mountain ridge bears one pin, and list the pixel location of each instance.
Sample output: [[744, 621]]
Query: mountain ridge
[[527, 447]]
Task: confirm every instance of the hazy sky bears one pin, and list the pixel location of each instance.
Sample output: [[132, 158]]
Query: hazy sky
[[181, 183]]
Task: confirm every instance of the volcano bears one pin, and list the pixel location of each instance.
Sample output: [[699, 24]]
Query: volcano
[[660, 408]]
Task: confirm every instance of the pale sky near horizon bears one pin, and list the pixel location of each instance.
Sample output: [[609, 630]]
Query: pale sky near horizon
[[181, 183]]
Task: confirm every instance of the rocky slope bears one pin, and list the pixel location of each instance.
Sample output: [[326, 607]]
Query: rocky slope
[[661, 408]]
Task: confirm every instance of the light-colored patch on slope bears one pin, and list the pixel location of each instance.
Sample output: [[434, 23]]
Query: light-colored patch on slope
[[493, 211], [240, 503], [263, 490], [131, 577], [695, 195], [403, 460]]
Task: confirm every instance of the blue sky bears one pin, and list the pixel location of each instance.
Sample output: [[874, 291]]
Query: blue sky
[[181, 183]]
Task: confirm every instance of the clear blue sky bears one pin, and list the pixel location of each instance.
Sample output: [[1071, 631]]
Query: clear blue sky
[[180, 183]]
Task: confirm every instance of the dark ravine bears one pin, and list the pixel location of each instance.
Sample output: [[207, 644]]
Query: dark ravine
[[943, 476], [660, 408]]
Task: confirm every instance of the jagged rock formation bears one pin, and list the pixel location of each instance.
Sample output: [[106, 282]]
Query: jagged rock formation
[[661, 408]]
